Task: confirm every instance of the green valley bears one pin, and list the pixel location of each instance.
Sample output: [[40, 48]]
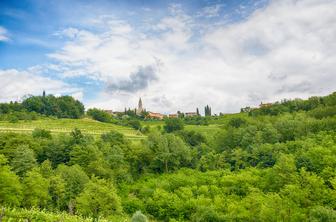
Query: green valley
[[272, 163]]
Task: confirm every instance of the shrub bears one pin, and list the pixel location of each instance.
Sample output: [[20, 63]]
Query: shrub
[[173, 124], [139, 217], [41, 133]]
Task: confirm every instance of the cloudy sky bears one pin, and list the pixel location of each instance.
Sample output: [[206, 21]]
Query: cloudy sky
[[176, 55]]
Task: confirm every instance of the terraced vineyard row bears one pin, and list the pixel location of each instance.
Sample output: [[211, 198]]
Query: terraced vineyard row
[[87, 126]]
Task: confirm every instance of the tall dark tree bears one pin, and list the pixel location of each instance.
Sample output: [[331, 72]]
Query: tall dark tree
[[207, 110], [180, 114]]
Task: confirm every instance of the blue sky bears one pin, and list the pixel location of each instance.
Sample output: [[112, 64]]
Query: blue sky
[[176, 55], [34, 23]]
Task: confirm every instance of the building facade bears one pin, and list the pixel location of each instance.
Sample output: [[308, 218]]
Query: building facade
[[190, 114], [155, 115], [263, 105], [172, 115]]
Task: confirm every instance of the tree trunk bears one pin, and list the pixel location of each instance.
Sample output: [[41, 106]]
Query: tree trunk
[[166, 166]]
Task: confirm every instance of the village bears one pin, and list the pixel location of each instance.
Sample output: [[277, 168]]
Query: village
[[153, 115], [140, 110]]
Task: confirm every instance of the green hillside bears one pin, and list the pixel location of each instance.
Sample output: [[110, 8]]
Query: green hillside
[[274, 163], [87, 126]]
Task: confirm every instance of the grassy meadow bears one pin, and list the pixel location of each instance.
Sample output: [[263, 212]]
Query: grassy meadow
[[87, 126], [96, 128]]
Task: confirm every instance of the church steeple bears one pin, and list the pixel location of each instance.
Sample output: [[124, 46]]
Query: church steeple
[[140, 108]]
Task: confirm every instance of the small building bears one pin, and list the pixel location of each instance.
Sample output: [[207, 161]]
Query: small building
[[155, 115], [172, 115], [109, 111], [190, 114], [263, 105]]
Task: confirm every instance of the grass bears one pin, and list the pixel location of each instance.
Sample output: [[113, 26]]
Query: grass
[[153, 124], [209, 130], [87, 126], [95, 128], [223, 120]]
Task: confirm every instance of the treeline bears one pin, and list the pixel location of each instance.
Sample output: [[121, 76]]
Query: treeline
[[316, 106], [133, 120], [123, 120], [47, 105]]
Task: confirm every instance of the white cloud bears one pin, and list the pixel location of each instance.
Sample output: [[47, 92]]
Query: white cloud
[[292, 38], [3, 34], [69, 32], [210, 11], [283, 50], [14, 85]]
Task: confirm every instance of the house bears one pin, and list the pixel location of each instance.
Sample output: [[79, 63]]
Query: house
[[155, 115], [172, 115], [109, 111], [190, 114], [264, 105]]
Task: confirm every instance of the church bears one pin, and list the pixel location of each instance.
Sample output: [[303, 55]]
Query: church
[[140, 109], [152, 115]]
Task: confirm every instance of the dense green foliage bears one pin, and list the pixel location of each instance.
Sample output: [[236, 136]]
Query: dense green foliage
[[173, 124], [99, 115], [319, 107], [196, 120], [14, 111], [257, 167], [61, 107], [207, 110], [125, 120]]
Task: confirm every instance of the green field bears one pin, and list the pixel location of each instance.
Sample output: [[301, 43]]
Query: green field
[[87, 126], [92, 127], [209, 129]]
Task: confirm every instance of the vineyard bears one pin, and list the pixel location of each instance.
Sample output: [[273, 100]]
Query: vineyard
[[56, 126]]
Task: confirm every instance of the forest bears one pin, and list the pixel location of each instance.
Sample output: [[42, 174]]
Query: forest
[[273, 163]]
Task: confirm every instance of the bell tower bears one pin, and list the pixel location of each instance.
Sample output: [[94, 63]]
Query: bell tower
[[140, 108]]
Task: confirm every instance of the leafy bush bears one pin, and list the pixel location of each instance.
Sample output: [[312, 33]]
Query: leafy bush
[[236, 122], [99, 115], [135, 124], [173, 124], [41, 133], [139, 217]]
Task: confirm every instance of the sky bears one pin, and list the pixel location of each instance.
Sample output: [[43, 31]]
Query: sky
[[175, 55]]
